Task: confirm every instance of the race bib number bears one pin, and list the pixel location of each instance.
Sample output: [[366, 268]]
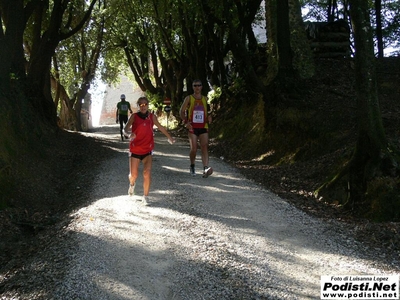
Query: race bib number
[[124, 107], [198, 116]]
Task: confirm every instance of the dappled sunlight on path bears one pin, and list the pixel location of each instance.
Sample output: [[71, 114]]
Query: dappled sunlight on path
[[221, 237]]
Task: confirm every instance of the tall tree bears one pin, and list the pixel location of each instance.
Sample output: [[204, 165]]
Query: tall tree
[[285, 60], [50, 25], [332, 7], [188, 40], [373, 155], [75, 66], [132, 31], [289, 53], [379, 34], [238, 35], [13, 18]]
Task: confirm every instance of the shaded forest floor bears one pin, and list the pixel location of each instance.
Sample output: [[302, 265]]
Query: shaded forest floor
[[315, 139], [55, 183]]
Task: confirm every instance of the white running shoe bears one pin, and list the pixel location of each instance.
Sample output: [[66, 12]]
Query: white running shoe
[[145, 200], [207, 172], [131, 190]]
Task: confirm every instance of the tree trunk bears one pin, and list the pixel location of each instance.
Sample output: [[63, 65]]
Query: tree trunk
[[332, 7], [280, 58], [303, 60], [67, 113], [373, 156], [38, 89], [80, 96], [283, 36], [45, 42], [46, 39], [11, 43], [272, 44], [379, 36]]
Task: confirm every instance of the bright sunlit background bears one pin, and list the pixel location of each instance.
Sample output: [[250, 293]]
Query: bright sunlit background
[[98, 95]]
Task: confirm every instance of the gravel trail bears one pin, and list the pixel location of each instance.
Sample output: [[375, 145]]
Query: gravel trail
[[222, 237]]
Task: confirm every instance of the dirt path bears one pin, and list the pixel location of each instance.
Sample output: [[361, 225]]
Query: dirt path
[[223, 237]]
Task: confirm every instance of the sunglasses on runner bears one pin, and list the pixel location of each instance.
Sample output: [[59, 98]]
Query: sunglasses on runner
[[143, 104], [196, 85]]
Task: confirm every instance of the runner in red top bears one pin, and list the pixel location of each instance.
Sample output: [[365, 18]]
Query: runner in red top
[[140, 130]]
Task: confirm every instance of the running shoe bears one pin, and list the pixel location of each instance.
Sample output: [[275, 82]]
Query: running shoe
[[207, 172], [145, 200], [192, 171], [131, 190]]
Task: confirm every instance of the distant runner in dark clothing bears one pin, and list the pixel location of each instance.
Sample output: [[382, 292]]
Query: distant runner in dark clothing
[[122, 114]]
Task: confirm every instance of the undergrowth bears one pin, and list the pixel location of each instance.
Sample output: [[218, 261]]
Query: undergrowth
[[240, 130], [8, 148], [383, 194], [22, 134], [312, 133]]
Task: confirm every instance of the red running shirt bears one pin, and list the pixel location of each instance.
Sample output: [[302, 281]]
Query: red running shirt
[[143, 143]]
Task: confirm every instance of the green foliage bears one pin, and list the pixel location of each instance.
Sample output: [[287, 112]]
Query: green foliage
[[310, 133], [76, 55], [241, 128], [155, 101], [238, 86], [293, 131], [391, 23], [239, 89], [293, 117], [383, 194], [214, 95]]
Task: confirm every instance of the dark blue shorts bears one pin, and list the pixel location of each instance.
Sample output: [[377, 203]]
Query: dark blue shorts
[[199, 131], [123, 119], [141, 156]]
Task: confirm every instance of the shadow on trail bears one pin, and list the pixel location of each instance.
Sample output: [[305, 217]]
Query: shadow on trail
[[192, 197], [172, 162], [218, 282]]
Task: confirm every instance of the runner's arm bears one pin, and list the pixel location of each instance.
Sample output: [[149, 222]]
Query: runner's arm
[[162, 129], [183, 109]]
